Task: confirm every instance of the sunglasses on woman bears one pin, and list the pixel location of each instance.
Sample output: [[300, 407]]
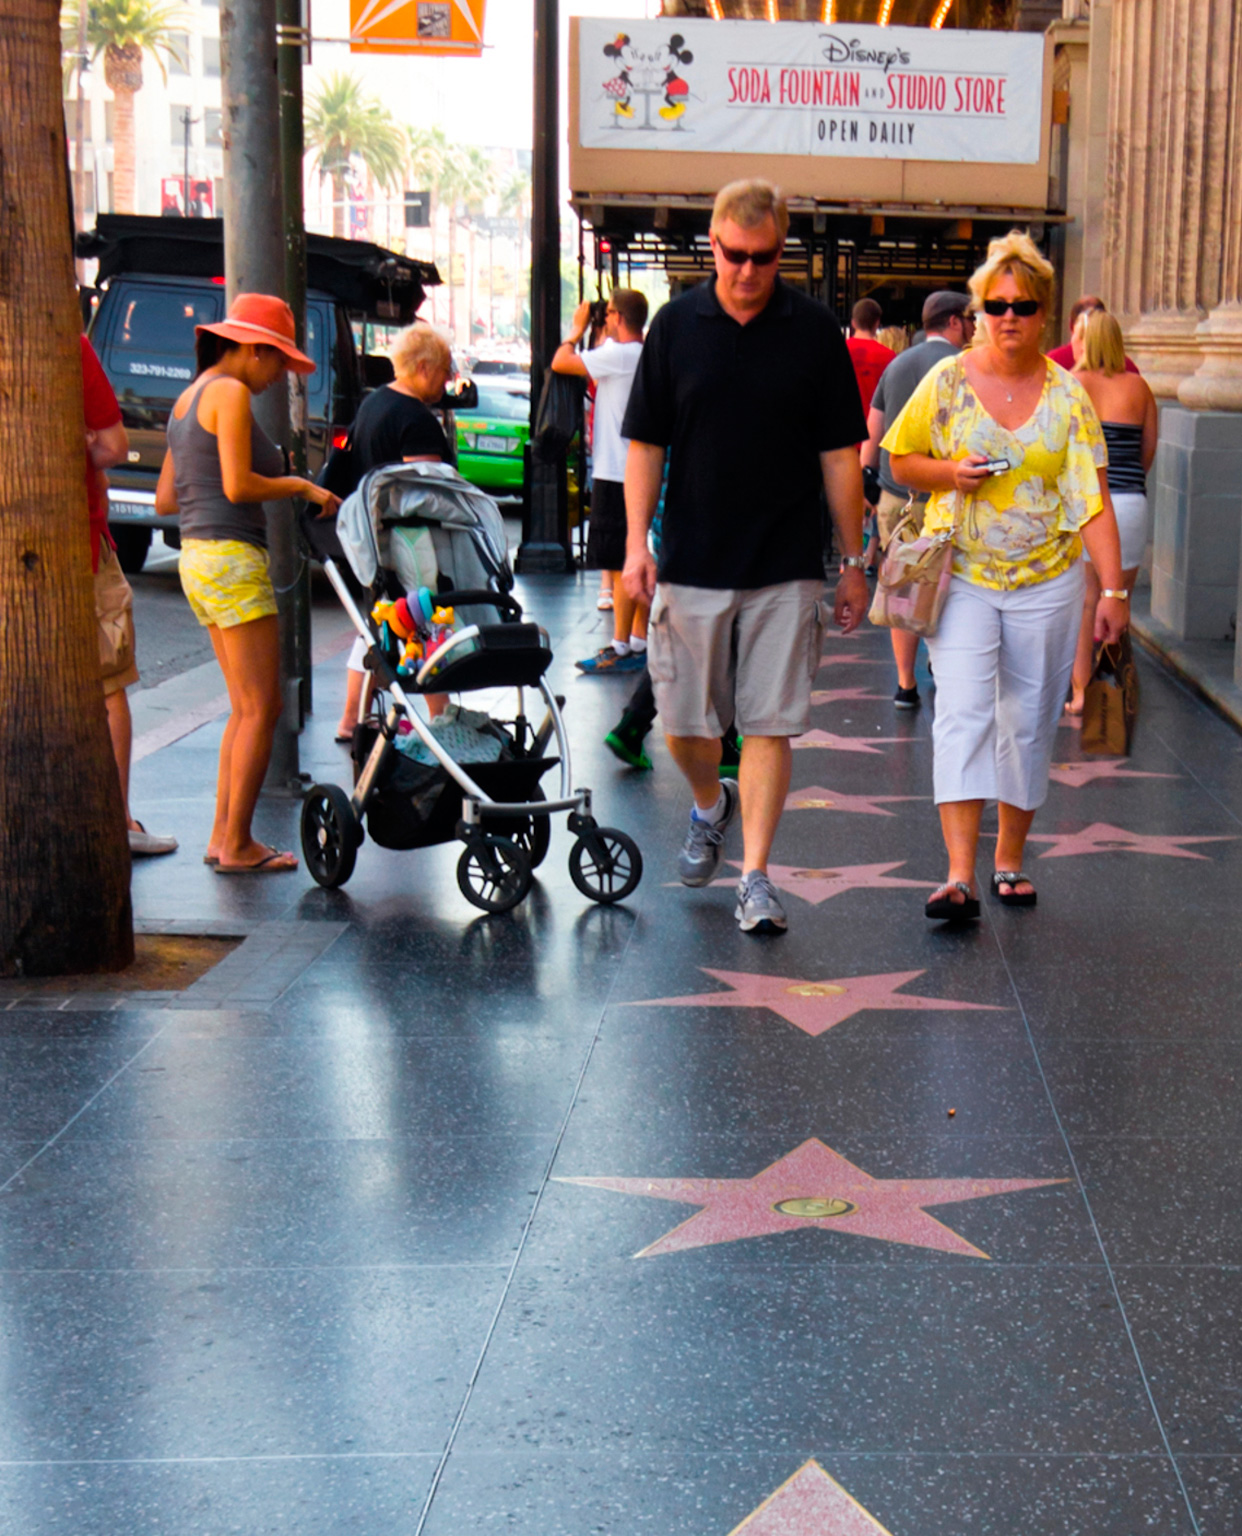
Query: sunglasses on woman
[[738, 258], [1024, 308]]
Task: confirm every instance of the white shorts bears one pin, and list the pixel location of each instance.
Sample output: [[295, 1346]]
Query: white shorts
[[1134, 526], [1002, 662]]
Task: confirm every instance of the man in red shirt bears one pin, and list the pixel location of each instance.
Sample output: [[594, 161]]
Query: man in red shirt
[[107, 444], [869, 356]]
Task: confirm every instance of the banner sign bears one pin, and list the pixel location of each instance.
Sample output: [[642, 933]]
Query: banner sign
[[801, 88], [417, 26]]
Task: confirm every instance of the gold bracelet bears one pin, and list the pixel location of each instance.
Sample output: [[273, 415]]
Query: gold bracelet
[[1119, 592]]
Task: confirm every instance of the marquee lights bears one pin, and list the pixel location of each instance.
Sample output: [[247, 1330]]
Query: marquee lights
[[830, 12], [942, 14], [886, 13], [774, 10]]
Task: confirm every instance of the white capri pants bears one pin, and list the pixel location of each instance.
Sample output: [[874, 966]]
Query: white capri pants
[[1133, 528], [1002, 662]]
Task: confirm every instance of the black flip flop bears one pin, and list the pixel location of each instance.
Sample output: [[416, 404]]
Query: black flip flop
[[1012, 898], [943, 909]]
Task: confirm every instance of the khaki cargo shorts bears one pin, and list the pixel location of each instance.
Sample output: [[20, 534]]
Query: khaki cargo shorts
[[746, 657], [114, 611]]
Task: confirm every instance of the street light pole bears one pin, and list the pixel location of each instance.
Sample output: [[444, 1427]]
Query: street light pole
[[186, 122], [545, 534]]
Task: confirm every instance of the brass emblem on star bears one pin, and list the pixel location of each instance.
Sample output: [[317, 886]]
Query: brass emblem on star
[[814, 874], [815, 989], [815, 1207]]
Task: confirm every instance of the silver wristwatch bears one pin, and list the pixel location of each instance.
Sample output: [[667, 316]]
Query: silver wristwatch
[[853, 562]]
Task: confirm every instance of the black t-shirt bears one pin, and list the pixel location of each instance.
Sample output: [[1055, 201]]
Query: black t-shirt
[[391, 427], [745, 411]]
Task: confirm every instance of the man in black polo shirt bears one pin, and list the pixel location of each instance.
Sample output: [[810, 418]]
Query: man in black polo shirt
[[747, 384]]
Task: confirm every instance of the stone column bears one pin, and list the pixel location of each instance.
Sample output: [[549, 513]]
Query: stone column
[[1171, 115], [1217, 385]]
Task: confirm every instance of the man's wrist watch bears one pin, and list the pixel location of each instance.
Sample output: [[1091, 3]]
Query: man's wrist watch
[[853, 562], [1119, 592]]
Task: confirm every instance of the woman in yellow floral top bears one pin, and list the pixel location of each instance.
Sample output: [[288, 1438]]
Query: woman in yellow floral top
[[1004, 648]]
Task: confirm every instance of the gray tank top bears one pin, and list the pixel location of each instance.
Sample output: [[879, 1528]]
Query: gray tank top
[[206, 512]]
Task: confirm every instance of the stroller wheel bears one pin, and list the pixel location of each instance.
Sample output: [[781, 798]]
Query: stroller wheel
[[330, 835], [605, 864], [493, 873]]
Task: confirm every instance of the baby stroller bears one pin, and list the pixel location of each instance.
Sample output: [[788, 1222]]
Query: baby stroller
[[422, 534]]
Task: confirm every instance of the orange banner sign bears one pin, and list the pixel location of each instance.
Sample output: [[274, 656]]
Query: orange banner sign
[[450, 27]]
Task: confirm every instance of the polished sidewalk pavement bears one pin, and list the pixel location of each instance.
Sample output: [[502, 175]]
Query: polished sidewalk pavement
[[589, 1220]]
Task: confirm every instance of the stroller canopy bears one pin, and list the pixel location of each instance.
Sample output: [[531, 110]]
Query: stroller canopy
[[467, 530]]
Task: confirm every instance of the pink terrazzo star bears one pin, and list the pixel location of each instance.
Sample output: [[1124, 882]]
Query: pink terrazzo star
[[850, 659], [817, 798], [1078, 774], [814, 1006], [846, 696], [814, 885], [810, 1503], [826, 741], [1100, 837], [813, 1186]]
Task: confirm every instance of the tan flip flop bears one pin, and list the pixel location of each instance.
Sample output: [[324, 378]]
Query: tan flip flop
[[274, 863]]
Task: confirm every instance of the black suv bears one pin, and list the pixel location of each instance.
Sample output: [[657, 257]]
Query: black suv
[[159, 278]]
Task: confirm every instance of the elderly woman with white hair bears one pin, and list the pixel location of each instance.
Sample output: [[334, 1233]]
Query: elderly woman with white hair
[[1010, 447], [395, 425]]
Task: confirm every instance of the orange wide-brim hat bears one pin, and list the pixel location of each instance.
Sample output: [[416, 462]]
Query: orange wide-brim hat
[[265, 321]]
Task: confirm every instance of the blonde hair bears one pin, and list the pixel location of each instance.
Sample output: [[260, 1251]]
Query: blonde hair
[[419, 346], [1017, 256], [748, 203], [1103, 350], [895, 337]]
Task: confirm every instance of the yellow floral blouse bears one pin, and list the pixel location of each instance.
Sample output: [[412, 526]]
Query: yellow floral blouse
[[1022, 527]]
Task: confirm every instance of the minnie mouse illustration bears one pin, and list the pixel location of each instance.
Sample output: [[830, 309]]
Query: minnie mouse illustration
[[621, 86], [675, 88]]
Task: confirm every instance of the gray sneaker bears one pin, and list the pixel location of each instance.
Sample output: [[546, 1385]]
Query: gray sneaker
[[758, 907], [703, 848]]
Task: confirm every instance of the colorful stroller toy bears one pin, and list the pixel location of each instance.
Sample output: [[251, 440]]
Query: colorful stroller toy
[[431, 549]]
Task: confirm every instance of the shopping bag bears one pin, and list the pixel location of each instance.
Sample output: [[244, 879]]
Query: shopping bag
[[558, 415], [1110, 701]]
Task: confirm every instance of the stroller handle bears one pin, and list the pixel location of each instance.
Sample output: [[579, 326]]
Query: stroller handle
[[508, 606]]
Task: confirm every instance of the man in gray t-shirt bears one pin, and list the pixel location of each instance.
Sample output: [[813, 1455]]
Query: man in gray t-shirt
[[949, 328]]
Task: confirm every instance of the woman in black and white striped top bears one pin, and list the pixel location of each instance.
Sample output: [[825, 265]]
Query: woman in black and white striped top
[[1127, 412]]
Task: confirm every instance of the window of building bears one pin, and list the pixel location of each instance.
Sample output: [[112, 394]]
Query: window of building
[[213, 128], [211, 57], [109, 122], [179, 56]]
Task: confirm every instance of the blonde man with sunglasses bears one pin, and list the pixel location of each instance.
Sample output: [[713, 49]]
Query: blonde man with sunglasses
[[747, 385]]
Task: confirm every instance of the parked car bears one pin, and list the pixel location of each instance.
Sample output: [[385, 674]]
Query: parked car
[[492, 438], [159, 278]]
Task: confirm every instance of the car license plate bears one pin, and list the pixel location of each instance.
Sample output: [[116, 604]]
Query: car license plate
[[496, 444], [122, 509]]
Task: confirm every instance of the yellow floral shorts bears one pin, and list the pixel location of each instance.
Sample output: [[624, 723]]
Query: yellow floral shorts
[[226, 581]]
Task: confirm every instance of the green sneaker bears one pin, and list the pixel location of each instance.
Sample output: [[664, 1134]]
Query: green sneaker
[[625, 741], [730, 754]]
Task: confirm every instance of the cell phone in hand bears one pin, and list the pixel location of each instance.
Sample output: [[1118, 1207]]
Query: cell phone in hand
[[993, 466]]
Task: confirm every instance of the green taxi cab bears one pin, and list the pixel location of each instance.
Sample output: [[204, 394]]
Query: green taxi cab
[[492, 438]]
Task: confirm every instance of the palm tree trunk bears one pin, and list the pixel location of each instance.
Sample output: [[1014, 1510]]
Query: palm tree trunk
[[64, 858], [452, 287], [123, 151], [338, 204]]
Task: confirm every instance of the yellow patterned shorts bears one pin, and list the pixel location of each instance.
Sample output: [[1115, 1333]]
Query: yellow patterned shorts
[[226, 581]]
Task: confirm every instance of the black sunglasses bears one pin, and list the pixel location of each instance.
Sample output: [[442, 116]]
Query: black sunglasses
[[1024, 308], [740, 258]]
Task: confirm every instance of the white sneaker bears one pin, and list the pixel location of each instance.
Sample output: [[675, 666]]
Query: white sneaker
[[759, 908], [146, 845]]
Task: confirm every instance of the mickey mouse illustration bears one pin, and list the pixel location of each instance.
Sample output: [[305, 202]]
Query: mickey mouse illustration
[[621, 86], [675, 88]]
